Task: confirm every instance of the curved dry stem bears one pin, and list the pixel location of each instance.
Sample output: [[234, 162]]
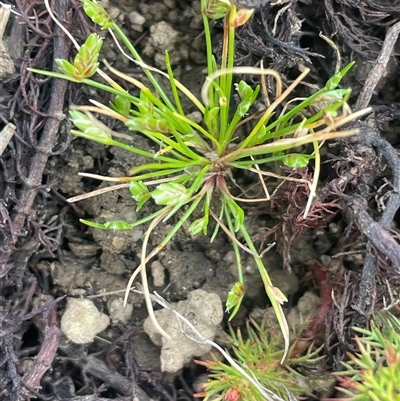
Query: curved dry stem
[[96, 192], [129, 179], [125, 77], [239, 70], [99, 108], [344, 120], [313, 187], [279, 99], [105, 177], [143, 274], [332, 44], [280, 177], [268, 248], [232, 237], [249, 118], [60, 25], [257, 167], [264, 87], [141, 86], [287, 104], [289, 143], [256, 200]]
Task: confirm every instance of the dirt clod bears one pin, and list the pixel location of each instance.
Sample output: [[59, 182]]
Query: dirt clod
[[204, 311], [82, 321]]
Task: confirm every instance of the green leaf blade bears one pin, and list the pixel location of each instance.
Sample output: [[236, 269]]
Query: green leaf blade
[[170, 194]]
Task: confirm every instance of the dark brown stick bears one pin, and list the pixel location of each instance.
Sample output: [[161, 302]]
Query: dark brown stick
[[47, 352], [124, 386], [47, 141], [376, 231], [50, 130], [379, 68], [379, 237]]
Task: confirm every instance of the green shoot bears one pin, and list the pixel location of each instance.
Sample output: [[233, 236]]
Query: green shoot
[[373, 372], [260, 352]]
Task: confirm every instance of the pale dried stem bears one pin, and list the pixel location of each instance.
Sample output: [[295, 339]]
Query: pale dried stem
[[142, 268], [96, 193], [232, 237], [239, 70], [5, 11], [6, 134]]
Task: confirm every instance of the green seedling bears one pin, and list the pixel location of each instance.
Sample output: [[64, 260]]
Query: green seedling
[[259, 352], [196, 162], [372, 374]]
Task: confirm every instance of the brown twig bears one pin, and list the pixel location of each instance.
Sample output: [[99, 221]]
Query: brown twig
[[124, 386], [47, 352], [47, 139], [378, 236], [379, 68], [377, 232]]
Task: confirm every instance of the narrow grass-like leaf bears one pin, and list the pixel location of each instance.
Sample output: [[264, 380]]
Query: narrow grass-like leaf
[[235, 298], [140, 193], [170, 193]]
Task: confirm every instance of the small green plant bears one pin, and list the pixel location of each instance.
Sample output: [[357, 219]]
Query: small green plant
[[260, 354], [196, 162], [373, 374]]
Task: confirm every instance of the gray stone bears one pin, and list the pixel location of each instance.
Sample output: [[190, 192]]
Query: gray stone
[[204, 311], [82, 321]]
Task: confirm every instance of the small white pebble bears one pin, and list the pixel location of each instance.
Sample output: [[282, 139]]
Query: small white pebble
[[136, 18], [82, 321]]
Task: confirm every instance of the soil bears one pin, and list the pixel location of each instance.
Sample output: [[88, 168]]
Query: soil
[[348, 247]]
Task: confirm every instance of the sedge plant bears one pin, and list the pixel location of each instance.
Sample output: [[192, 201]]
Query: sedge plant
[[260, 352], [373, 373], [195, 164]]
